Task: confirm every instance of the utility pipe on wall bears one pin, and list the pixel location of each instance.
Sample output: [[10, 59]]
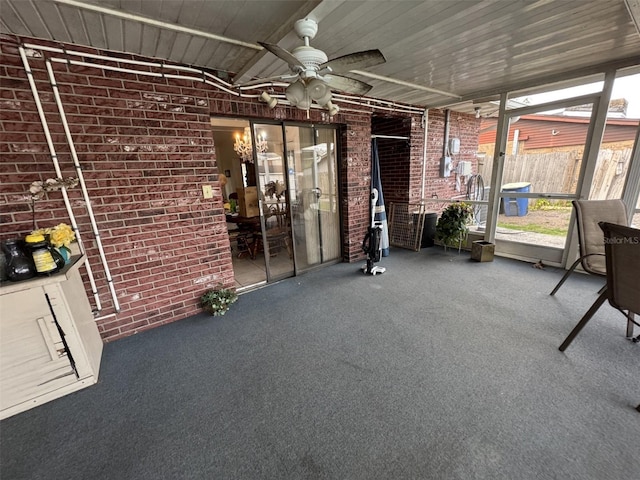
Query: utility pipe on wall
[[445, 145], [204, 77], [56, 165], [85, 193], [425, 119]]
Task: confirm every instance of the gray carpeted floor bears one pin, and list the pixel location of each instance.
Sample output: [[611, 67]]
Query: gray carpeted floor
[[441, 368]]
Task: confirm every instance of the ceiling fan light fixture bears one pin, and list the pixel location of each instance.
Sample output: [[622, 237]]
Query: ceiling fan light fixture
[[318, 90], [305, 103], [325, 100], [295, 93], [312, 76], [333, 109], [269, 100]]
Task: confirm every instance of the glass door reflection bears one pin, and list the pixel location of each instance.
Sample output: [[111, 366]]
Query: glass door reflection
[[274, 202], [311, 155]]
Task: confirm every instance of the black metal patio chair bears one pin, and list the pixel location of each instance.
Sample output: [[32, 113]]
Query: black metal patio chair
[[622, 255]]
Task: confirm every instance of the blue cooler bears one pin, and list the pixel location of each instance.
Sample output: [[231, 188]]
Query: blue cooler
[[516, 207]]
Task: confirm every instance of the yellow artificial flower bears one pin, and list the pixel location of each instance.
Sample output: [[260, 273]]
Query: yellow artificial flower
[[59, 236], [62, 235]]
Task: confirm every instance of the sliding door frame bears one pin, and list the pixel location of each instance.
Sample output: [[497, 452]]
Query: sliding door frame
[[554, 256], [253, 122], [316, 128]]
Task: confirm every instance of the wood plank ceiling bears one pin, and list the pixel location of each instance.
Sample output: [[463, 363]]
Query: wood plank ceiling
[[446, 52]]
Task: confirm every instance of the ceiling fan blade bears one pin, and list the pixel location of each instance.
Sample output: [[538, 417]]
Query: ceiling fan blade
[[278, 78], [283, 54], [347, 84], [354, 61]]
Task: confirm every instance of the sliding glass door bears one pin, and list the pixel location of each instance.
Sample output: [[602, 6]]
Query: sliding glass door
[[274, 201], [298, 193], [312, 171], [328, 206]]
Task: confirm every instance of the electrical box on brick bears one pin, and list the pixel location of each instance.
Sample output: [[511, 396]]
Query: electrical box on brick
[[454, 146], [445, 167], [464, 168]]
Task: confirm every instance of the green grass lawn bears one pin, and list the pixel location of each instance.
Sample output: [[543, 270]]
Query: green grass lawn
[[533, 227]]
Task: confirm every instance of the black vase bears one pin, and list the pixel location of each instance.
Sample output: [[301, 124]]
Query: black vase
[[19, 266]]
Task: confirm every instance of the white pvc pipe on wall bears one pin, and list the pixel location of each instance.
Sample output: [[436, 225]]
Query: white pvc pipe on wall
[[54, 158], [390, 108], [105, 67], [85, 193], [151, 74], [215, 81], [342, 98], [425, 119]]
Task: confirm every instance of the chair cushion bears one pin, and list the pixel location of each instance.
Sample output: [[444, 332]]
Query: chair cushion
[[589, 214]]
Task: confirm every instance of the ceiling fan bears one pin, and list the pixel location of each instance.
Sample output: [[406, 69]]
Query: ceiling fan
[[313, 76]]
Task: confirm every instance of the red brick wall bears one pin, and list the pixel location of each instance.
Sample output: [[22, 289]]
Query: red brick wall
[[417, 154], [146, 149], [394, 155], [466, 128], [401, 162]]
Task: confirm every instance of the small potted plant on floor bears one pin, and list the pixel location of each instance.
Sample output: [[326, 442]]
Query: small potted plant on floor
[[218, 300], [451, 229]]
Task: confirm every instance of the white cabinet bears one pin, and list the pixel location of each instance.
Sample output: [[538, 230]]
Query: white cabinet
[[49, 341]]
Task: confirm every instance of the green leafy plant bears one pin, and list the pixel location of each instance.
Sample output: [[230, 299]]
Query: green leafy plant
[[451, 228], [218, 300]]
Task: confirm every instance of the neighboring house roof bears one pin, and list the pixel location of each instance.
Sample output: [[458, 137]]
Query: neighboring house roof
[[544, 131]]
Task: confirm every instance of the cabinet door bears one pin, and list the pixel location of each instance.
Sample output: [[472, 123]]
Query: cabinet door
[[33, 360]]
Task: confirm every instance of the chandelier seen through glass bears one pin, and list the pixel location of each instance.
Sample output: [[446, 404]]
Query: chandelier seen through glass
[[243, 146]]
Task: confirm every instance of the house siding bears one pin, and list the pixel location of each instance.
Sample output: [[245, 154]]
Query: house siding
[[535, 134]]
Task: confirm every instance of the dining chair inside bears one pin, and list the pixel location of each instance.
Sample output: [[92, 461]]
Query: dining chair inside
[[278, 230]]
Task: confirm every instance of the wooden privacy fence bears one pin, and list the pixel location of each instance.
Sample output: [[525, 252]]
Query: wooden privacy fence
[[557, 172], [611, 168]]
